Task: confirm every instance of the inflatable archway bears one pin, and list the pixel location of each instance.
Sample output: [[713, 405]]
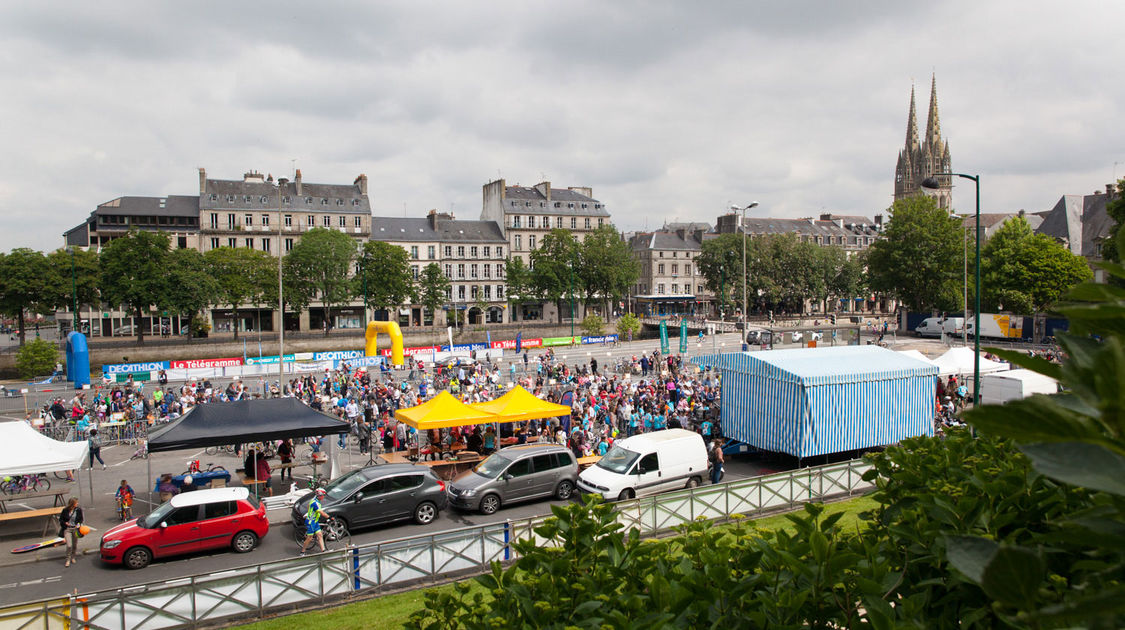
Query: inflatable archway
[[393, 331]]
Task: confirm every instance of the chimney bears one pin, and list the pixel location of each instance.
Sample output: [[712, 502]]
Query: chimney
[[434, 216], [202, 180], [297, 180], [361, 181], [879, 219], [698, 236], [826, 217], [1111, 191], [1022, 212], [682, 233], [544, 189]]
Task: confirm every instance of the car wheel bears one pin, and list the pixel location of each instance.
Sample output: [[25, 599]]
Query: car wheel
[[137, 558], [692, 483], [565, 489], [489, 504], [627, 494], [425, 513], [244, 542], [336, 529]]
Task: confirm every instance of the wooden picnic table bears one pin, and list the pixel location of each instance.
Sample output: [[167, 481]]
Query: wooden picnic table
[[587, 461], [58, 494], [52, 515]]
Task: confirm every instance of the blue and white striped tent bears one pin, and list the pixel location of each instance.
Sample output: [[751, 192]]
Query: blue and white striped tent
[[816, 401]]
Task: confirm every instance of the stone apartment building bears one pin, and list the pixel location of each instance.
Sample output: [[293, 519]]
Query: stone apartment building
[[470, 253], [1081, 224], [669, 281], [526, 214]]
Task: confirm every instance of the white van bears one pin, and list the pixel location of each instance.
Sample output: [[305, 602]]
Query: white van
[[647, 464], [935, 326]]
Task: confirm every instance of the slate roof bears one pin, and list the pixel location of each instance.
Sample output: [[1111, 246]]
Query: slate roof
[[403, 229], [170, 206], [1080, 221], [661, 240], [263, 196], [564, 195]]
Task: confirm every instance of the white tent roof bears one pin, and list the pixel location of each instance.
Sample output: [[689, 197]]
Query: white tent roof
[[25, 451], [959, 361], [1038, 383], [914, 354]]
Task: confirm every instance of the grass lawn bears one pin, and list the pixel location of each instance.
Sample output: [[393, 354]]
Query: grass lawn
[[392, 611]]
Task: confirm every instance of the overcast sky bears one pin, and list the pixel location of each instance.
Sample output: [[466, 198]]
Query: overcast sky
[[668, 110]]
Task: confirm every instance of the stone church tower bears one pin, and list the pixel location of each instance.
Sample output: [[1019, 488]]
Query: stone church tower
[[921, 158]]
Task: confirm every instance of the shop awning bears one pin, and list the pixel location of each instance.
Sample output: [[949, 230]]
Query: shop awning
[[519, 405], [443, 411]]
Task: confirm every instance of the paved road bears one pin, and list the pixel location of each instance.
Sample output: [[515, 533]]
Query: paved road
[[30, 578]]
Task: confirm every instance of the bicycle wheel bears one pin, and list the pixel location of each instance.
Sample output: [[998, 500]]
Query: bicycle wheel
[[212, 450], [216, 469], [41, 484], [60, 474]]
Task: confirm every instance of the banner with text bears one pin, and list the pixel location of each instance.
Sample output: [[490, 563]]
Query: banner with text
[[683, 336], [600, 339], [559, 341], [268, 360], [663, 337], [207, 363], [127, 368]]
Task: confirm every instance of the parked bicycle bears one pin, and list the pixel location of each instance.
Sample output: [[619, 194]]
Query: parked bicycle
[[193, 468], [25, 483], [226, 449]]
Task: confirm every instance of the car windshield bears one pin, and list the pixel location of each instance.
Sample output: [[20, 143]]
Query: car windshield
[[152, 519], [341, 487], [492, 466], [618, 460]]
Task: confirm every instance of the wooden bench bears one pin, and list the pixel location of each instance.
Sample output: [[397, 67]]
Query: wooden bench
[[52, 515], [58, 494]]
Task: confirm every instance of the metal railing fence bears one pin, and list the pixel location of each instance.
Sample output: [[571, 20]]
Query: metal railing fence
[[256, 590]]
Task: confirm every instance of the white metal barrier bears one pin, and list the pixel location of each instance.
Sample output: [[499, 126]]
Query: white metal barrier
[[253, 591]]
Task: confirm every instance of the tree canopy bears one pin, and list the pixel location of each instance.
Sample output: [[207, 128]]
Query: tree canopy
[[243, 276], [134, 272], [324, 259], [24, 283], [554, 268], [1024, 271], [385, 275], [191, 285], [607, 268], [920, 259], [432, 288]]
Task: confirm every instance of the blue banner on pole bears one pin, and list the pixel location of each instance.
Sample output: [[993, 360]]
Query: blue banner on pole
[[568, 400], [519, 342]]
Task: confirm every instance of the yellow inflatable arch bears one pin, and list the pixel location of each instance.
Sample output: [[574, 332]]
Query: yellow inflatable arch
[[393, 331]]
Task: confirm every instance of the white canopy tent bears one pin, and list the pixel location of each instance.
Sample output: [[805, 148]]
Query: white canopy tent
[[914, 354], [25, 451], [959, 362]]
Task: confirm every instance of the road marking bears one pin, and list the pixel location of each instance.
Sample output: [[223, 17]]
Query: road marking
[[46, 580]]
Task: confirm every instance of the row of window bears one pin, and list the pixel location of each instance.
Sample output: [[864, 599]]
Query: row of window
[[676, 289], [118, 219], [285, 199], [264, 220], [486, 270], [545, 223], [688, 269], [475, 251], [265, 244], [558, 204], [476, 292]]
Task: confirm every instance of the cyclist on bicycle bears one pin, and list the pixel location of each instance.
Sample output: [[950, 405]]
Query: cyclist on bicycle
[[312, 522], [124, 496]]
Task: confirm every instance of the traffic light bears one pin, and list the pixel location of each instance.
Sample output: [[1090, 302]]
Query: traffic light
[[833, 317]]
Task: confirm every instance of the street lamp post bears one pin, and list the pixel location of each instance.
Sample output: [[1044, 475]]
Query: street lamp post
[[931, 183], [74, 288], [281, 182], [742, 230]]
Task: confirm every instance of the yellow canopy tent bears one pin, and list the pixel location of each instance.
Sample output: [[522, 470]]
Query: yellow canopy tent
[[519, 405], [443, 411]]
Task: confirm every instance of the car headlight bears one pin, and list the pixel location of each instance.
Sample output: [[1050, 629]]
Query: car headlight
[[110, 544], [468, 493]]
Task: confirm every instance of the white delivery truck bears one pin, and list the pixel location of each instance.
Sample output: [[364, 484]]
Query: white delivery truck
[[998, 326], [647, 464], [935, 326], [1001, 387]]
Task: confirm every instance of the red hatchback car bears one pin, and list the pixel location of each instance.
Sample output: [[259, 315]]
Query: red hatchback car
[[189, 522]]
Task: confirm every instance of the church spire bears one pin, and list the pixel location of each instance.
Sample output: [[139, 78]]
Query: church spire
[[912, 125], [933, 125]]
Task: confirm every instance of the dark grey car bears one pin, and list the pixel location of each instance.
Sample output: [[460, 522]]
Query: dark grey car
[[516, 473], [379, 494]]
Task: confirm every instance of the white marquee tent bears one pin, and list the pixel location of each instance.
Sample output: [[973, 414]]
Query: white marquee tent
[[25, 451], [959, 362]]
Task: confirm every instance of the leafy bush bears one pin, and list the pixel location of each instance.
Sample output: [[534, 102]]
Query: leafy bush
[[37, 358], [593, 325], [628, 324]]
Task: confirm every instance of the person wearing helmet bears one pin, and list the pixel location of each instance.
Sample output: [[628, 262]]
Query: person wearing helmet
[[312, 522]]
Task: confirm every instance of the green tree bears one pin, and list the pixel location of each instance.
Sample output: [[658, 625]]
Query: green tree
[[1025, 271], [593, 325], [37, 358], [919, 261], [385, 272], [24, 285], [325, 259], [1115, 208], [628, 326], [518, 278], [243, 276], [134, 271], [73, 269], [839, 276], [191, 285], [720, 263], [431, 289], [606, 268], [554, 268]]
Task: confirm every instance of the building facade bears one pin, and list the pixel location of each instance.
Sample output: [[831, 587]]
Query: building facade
[[670, 282], [924, 157], [1081, 224], [175, 215]]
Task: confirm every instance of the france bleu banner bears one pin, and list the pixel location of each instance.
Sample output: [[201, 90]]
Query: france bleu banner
[[683, 336], [519, 342], [663, 337]]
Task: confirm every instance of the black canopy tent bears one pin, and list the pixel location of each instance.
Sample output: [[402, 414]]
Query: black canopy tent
[[217, 424]]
